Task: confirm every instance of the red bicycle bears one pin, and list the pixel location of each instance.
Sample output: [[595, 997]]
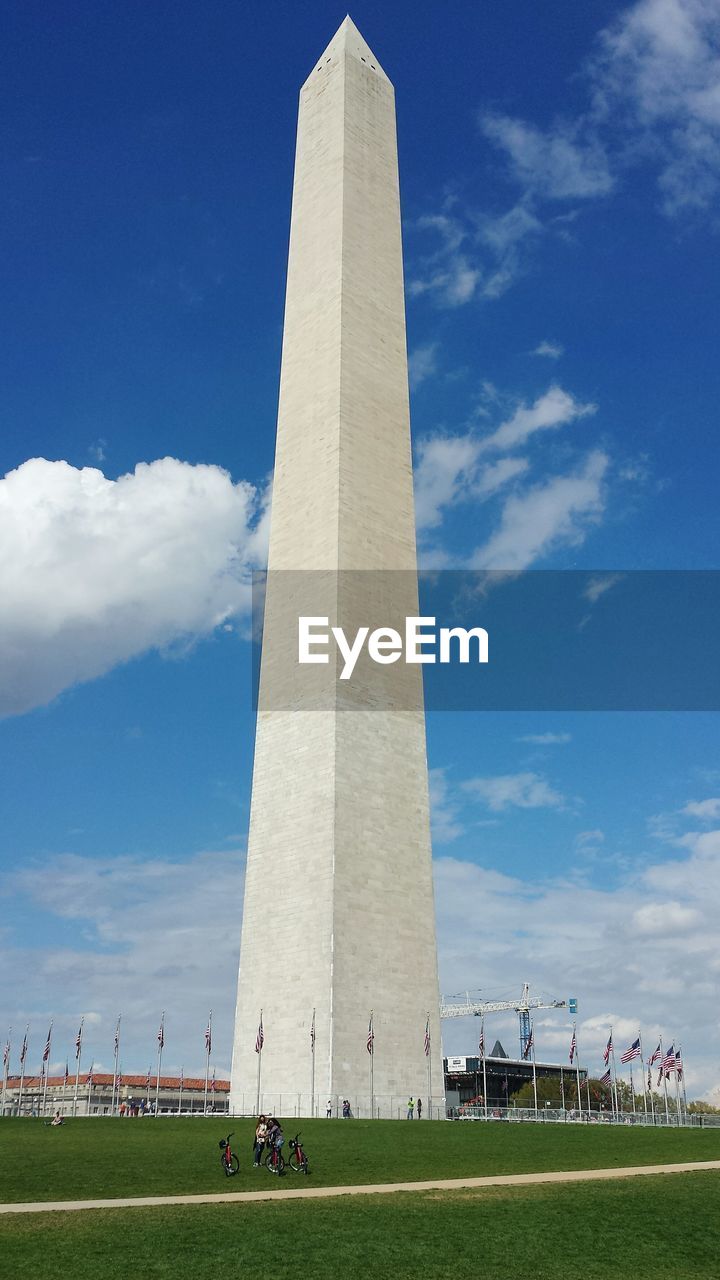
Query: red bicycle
[[229, 1161], [274, 1161], [298, 1161]]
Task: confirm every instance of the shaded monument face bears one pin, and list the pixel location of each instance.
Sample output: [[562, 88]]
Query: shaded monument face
[[338, 950]]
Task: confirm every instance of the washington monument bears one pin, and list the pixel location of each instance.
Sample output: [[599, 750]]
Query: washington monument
[[338, 956]]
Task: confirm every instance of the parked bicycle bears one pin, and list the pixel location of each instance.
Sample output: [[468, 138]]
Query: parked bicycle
[[274, 1161], [298, 1161], [229, 1161]]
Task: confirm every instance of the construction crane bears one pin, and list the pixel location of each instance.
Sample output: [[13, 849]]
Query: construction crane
[[522, 1007]]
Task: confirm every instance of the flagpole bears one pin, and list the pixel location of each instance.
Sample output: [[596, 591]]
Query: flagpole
[[682, 1068], [90, 1085], [147, 1089], [6, 1067], [78, 1056], [429, 1088], [677, 1091], [115, 1068], [259, 1042], [664, 1076], [613, 1078], [484, 1062], [312, 1065], [65, 1080], [23, 1056], [562, 1086], [208, 1046], [577, 1070], [372, 1067], [161, 1043], [46, 1066], [532, 1033], [642, 1072], [182, 1081]]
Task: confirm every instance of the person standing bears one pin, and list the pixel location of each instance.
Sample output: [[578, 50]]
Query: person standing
[[419, 1108], [328, 1110], [410, 1108], [261, 1133]]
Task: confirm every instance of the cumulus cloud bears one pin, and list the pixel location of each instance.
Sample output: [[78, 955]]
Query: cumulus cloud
[[554, 408], [514, 790], [95, 571], [476, 255]]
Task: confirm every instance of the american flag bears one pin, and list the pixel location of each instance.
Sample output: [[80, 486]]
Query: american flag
[[679, 1064], [426, 1042], [78, 1041], [573, 1047], [46, 1050], [260, 1037], [6, 1052], [632, 1052], [23, 1051], [119, 1078], [668, 1063], [481, 1043], [182, 1077], [161, 1033], [66, 1077], [117, 1038], [370, 1046], [656, 1056], [606, 1078], [147, 1078], [608, 1050], [90, 1076], [213, 1082], [529, 1045], [312, 1033], [208, 1036]]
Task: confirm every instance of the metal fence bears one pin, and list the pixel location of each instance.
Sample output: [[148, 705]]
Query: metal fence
[[556, 1115]]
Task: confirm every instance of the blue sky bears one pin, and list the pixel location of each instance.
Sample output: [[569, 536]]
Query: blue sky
[[560, 169]]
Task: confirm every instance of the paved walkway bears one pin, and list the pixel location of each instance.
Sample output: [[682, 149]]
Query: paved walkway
[[273, 1192]]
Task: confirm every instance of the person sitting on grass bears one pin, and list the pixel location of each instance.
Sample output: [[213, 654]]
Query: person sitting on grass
[[57, 1119], [261, 1133]]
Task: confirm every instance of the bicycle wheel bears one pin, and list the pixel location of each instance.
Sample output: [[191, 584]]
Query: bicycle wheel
[[235, 1165], [280, 1164], [269, 1162]]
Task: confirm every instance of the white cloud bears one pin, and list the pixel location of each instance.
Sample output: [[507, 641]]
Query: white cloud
[[476, 254], [96, 571], [586, 840], [446, 825], [599, 585], [422, 364], [653, 99], [142, 930], [143, 934], [557, 512], [514, 790], [601, 945], [554, 408], [545, 739], [705, 810], [557, 164], [551, 350]]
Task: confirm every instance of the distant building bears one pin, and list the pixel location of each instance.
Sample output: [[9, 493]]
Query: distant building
[[464, 1078], [96, 1098]]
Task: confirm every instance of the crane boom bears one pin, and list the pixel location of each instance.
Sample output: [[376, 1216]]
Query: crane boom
[[522, 1007]]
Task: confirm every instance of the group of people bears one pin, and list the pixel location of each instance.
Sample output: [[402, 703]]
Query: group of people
[[412, 1106], [268, 1133]]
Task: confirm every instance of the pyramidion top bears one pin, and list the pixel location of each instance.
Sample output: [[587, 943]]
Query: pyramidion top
[[347, 42]]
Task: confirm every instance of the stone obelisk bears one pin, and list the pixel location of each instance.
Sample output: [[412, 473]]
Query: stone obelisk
[[338, 924]]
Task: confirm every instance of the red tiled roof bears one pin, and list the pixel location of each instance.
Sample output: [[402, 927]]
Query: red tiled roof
[[130, 1082]]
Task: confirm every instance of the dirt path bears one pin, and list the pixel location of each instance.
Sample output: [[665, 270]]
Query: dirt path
[[273, 1192]]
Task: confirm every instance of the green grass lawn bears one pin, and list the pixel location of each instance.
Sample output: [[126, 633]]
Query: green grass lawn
[[98, 1158], [665, 1226]]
